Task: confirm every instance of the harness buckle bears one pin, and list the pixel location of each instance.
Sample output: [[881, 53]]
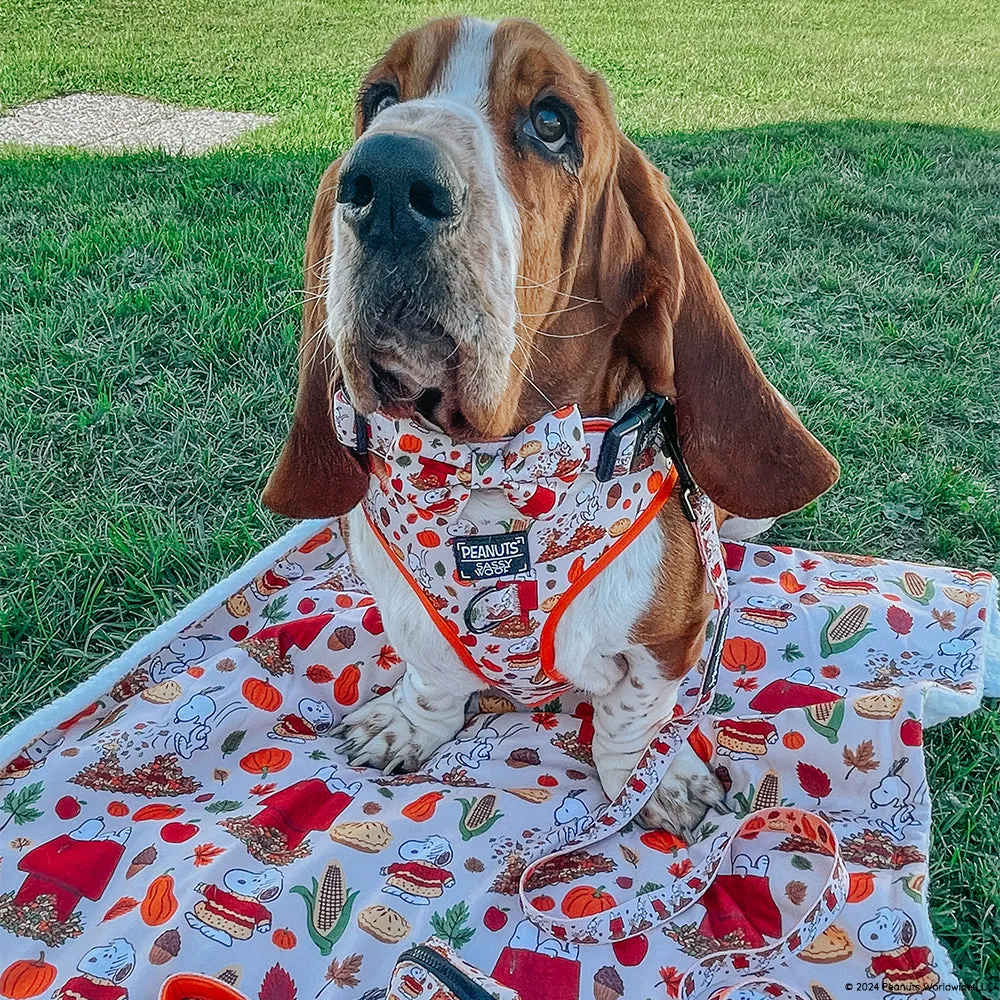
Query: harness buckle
[[625, 441], [361, 439]]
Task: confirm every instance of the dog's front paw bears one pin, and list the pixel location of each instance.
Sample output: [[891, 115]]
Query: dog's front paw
[[682, 799], [383, 734]]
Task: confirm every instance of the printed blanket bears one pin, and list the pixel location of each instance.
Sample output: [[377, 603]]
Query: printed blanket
[[185, 810]]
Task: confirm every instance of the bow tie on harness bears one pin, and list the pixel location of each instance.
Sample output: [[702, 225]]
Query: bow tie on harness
[[496, 577]]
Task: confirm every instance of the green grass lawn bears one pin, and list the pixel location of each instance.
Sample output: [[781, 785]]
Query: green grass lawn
[[840, 164]]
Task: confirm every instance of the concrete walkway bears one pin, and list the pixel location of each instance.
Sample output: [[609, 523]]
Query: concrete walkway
[[115, 123]]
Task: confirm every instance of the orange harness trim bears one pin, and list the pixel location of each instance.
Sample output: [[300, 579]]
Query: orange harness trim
[[450, 631]]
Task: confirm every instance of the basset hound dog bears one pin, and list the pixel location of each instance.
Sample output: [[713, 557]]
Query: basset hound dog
[[491, 248]]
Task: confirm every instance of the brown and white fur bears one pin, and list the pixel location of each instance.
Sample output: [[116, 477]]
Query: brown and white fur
[[557, 271]]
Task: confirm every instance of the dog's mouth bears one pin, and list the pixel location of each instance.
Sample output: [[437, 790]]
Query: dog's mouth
[[413, 366]]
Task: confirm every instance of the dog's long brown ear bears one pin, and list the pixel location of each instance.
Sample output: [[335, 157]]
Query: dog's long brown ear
[[316, 476], [745, 445]]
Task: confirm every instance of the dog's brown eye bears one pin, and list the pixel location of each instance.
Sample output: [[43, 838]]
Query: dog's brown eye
[[387, 100], [548, 122]]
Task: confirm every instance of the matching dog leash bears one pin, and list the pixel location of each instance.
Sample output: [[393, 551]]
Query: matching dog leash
[[738, 968]]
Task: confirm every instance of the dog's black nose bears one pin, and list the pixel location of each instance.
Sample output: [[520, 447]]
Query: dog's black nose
[[396, 192]]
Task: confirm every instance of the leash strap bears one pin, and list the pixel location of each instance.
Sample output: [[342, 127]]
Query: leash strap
[[656, 909]]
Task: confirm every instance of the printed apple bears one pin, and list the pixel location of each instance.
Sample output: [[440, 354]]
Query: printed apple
[[911, 732], [544, 903], [632, 950], [67, 807], [494, 919], [306, 606], [371, 621], [177, 833], [238, 633]]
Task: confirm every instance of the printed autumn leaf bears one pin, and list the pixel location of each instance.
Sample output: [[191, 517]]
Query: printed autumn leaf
[[19, 805], [544, 720], [223, 806], [899, 619], [553, 706], [232, 742], [721, 704], [814, 781], [319, 674], [220, 774], [680, 868], [277, 985], [802, 863], [343, 974], [809, 564], [452, 927], [796, 891], [946, 619], [124, 905], [862, 759], [630, 856], [387, 658], [791, 653], [205, 854], [274, 611], [260, 789], [19, 843], [671, 978]]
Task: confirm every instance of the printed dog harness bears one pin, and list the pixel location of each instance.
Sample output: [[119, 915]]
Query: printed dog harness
[[496, 579]]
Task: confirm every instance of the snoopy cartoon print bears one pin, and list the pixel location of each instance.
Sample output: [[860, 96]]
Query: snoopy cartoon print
[[313, 719], [421, 875], [961, 652], [180, 654], [475, 746], [194, 722], [102, 973], [893, 802], [573, 819], [281, 575], [30, 757], [234, 911], [904, 966]]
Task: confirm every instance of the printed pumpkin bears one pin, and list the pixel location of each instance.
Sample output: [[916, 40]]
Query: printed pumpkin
[[345, 688], [743, 655], [261, 694], [27, 978], [159, 904], [586, 900], [266, 761], [422, 809]]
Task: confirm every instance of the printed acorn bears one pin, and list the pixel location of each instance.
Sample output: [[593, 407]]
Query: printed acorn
[[165, 947], [142, 860], [608, 983]]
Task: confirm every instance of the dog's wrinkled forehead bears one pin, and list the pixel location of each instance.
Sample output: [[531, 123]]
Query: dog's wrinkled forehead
[[491, 70]]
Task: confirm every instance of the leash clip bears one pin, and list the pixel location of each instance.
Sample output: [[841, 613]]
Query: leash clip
[[672, 449]]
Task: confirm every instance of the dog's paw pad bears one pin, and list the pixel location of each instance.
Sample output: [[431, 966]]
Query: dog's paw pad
[[684, 796], [381, 735]]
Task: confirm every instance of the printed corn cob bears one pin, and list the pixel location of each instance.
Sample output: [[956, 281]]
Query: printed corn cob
[[478, 815], [844, 629], [768, 796], [328, 907]]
